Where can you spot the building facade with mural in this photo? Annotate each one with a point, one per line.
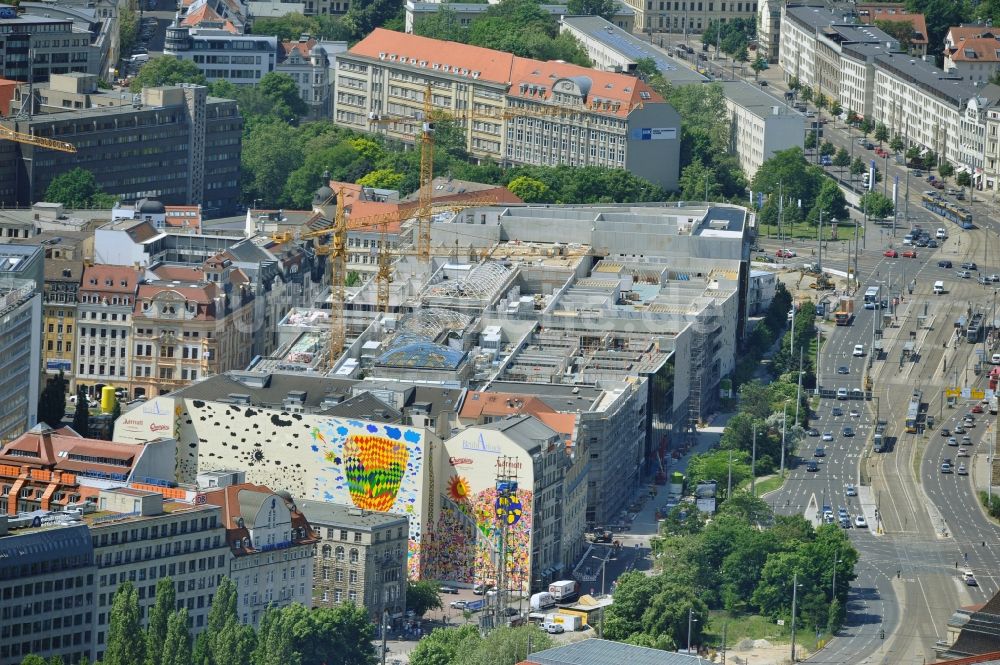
(370, 465)
(537, 527)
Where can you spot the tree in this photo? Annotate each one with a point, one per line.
(836, 109)
(286, 28)
(842, 159)
(806, 93)
(159, 616)
(176, 646)
(52, 402)
(270, 152)
(364, 17)
(382, 179)
(523, 28)
(820, 100)
(167, 70)
(274, 641)
(881, 133)
(900, 30)
(125, 645)
(827, 149)
(810, 141)
(343, 634)
(793, 83)
(32, 659)
(422, 596)
(945, 169)
(714, 465)
(443, 24)
(831, 203)
(444, 645)
(877, 205)
(698, 182)
(81, 417)
(963, 179)
(633, 593)
(606, 9)
(788, 171)
(857, 167)
(646, 68)
(758, 65)
(235, 644)
(896, 144)
(530, 190)
(78, 188)
(283, 92)
(939, 16)
(128, 27)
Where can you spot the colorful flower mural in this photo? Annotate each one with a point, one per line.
(458, 489)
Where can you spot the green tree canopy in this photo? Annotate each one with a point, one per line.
(523, 28)
(877, 205)
(530, 190)
(830, 202)
(81, 417)
(715, 465)
(606, 9)
(842, 159)
(422, 597)
(125, 645)
(881, 133)
(963, 179)
(78, 188)
(945, 169)
(159, 617)
(167, 70)
(176, 646)
(382, 179)
(52, 401)
(442, 24)
(501, 646)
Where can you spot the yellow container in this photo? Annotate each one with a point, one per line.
(108, 399)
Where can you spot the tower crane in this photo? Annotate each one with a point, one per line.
(427, 117)
(37, 141)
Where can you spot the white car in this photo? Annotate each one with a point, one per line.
(859, 350)
(995, 359)
(963, 452)
(841, 393)
(860, 522)
(850, 490)
(827, 436)
(553, 628)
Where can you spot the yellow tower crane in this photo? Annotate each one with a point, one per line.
(427, 118)
(37, 141)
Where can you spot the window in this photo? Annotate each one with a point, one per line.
(340, 554)
(354, 556)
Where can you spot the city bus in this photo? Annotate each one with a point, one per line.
(872, 297)
(913, 411)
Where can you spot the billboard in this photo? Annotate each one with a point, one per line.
(150, 420)
(58, 365)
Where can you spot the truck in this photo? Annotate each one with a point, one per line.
(845, 311)
(569, 622)
(676, 484)
(563, 590)
(541, 601)
(993, 405)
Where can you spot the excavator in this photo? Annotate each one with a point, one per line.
(820, 281)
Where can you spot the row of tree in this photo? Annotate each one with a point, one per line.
(360, 19)
(468, 646)
(521, 27)
(743, 561)
(799, 190)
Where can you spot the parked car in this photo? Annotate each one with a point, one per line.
(785, 253)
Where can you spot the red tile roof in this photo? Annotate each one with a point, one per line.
(503, 68)
(96, 278)
(235, 499)
(876, 13)
(959, 32)
(976, 49)
(50, 449)
(302, 47)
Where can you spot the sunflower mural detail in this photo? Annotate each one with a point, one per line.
(458, 489)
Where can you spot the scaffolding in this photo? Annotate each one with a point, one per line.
(704, 331)
(508, 513)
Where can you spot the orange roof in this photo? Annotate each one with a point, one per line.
(42, 446)
(478, 404)
(206, 14)
(900, 15)
(183, 217)
(359, 210)
(96, 278)
(179, 273)
(959, 32)
(302, 47)
(7, 88)
(976, 49)
(235, 499)
(504, 68)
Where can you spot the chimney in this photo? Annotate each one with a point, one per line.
(45, 449)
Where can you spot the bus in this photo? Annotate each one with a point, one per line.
(947, 209)
(872, 297)
(913, 411)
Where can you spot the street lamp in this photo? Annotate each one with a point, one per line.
(795, 588)
(836, 560)
(691, 620)
(604, 561)
(784, 419)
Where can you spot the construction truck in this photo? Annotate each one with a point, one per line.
(845, 311)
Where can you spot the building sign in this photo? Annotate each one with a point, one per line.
(654, 133)
(58, 365)
(459, 461)
(149, 421)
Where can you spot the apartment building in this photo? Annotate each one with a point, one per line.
(311, 64)
(56, 47)
(687, 16)
(21, 280)
(769, 29)
(187, 325)
(271, 547)
(360, 558)
(972, 51)
(222, 55)
(139, 537)
(59, 300)
(915, 99)
(231, 15)
(174, 143)
(104, 325)
(573, 115)
(47, 598)
(761, 125)
(99, 24)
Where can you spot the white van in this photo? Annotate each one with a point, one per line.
(859, 350)
(938, 288)
(941, 234)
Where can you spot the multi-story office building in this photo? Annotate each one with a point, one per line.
(174, 143)
(222, 55)
(21, 279)
(187, 325)
(687, 16)
(271, 547)
(46, 597)
(99, 24)
(104, 325)
(361, 558)
(56, 46)
(573, 115)
(760, 125)
(139, 537)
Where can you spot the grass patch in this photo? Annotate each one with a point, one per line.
(765, 484)
(745, 627)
